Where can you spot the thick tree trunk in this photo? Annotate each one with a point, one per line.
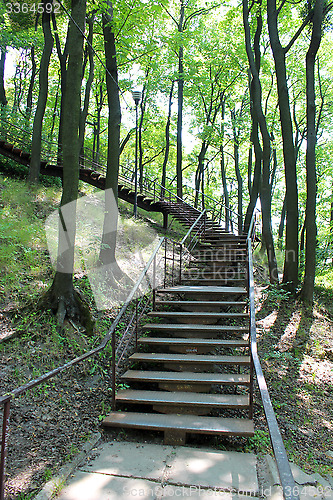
(36, 144)
(167, 143)
(108, 247)
(265, 189)
(62, 295)
(290, 273)
(3, 98)
(311, 136)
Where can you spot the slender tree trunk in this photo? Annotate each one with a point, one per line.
(290, 273)
(140, 126)
(311, 135)
(36, 144)
(167, 142)
(282, 219)
(3, 98)
(238, 173)
(108, 247)
(180, 82)
(84, 112)
(63, 56)
(32, 82)
(223, 172)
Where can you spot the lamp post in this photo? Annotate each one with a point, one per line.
(136, 97)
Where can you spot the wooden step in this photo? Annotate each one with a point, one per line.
(214, 282)
(197, 314)
(194, 328)
(225, 379)
(185, 423)
(211, 343)
(200, 303)
(197, 359)
(179, 398)
(207, 290)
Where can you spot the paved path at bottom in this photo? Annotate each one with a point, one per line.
(128, 471)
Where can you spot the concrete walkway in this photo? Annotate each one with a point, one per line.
(127, 471)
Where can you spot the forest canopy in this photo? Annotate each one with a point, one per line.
(236, 103)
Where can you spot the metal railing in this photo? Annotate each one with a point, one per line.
(21, 138)
(140, 305)
(290, 491)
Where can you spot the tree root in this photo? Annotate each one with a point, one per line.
(68, 305)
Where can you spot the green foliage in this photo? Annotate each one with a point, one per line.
(259, 443)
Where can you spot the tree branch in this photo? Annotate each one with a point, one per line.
(299, 31)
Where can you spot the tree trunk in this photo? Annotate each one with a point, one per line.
(290, 272)
(36, 144)
(140, 126)
(62, 55)
(167, 142)
(265, 189)
(180, 82)
(3, 98)
(223, 172)
(108, 247)
(311, 135)
(32, 82)
(62, 295)
(282, 219)
(238, 173)
(84, 112)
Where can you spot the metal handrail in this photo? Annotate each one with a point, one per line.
(283, 466)
(6, 399)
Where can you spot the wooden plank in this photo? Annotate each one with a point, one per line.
(187, 377)
(198, 303)
(190, 358)
(187, 423)
(195, 328)
(196, 314)
(193, 342)
(184, 398)
(203, 289)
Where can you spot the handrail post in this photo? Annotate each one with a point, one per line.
(136, 322)
(113, 347)
(180, 263)
(154, 282)
(5, 424)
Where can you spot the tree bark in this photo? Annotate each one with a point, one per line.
(265, 189)
(167, 142)
(311, 135)
(32, 82)
(3, 98)
(108, 247)
(84, 112)
(223, 172)
(238, 173)
(62, 295)
(180, 83)
(36, 144)
(290, 272)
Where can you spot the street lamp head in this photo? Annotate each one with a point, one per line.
(136, 96)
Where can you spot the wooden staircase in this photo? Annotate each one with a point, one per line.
(192, 371)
